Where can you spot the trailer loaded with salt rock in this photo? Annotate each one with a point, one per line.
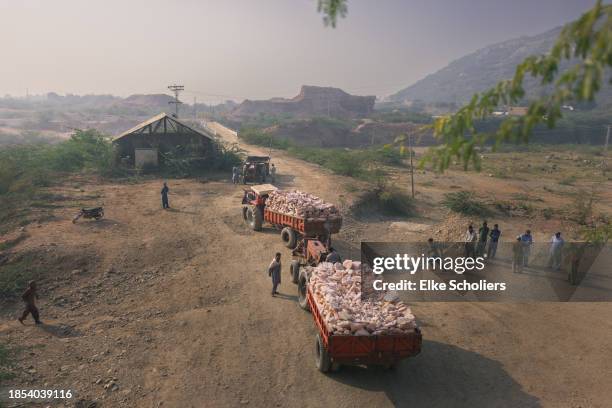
(376, 331)
(306, 222)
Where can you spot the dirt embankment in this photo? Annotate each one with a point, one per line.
(154, 308)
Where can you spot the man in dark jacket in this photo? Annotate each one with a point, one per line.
(483, 234)
(29, 297)
(495, 234)
(274, 271)
(164, 194)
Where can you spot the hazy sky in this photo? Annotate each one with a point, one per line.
(236, 49)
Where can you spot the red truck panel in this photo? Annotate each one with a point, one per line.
(310, 227)
(385, 349)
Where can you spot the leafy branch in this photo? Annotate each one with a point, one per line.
(332, 9)
(587, 40)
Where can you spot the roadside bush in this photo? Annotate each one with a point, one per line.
(568, 181)
(386, 200)
(260, 138)
(464, 202)
(582, 208)
(5, 363)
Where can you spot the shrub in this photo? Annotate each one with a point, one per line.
(385, 200)
(568, 181)
(258, 137)
(5, 362)
(464, 202)
(582, 208)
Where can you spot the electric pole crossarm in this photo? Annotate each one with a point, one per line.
(176, 89)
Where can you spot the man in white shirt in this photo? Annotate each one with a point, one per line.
(470, 242)
(556, 246)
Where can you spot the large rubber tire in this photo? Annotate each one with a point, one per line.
(295, 271)
(254, 218)
(322, 359)
(302, 288)
(289, 237)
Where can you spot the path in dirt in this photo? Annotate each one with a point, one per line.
(173, 309)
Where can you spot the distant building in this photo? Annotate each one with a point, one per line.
(148, 142)
(517, 110)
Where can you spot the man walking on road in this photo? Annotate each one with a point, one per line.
(274, 271)
(29, 297)
(495, 234)
(164, 194)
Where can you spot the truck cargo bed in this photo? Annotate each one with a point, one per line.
(307, 226)
(382, 349)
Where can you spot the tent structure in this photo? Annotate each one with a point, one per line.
(160, 135)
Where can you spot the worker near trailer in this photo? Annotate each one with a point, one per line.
(235, 175)
(274, 271)
(494, 234)
(470, 242)
(29, 298)
(164, 194)
(527, 241)
(273, 173)
(556, 246)
(483, 235)
(333, 256)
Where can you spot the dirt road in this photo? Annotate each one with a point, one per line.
(151, 308)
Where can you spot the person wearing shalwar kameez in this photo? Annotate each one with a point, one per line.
(274, 271)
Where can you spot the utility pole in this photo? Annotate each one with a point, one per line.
(411, 166)
(607, 139)
(176, 89)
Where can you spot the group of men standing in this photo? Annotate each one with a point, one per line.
(476, 244)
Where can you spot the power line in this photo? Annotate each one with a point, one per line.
(176, 89)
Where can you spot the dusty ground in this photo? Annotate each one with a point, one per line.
(153, 308)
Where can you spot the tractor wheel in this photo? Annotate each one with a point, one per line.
(295, 271)
(289, 237)
(302, 289)
(254, 218)
(322, 359)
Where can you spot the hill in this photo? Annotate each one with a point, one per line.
(478, 71)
